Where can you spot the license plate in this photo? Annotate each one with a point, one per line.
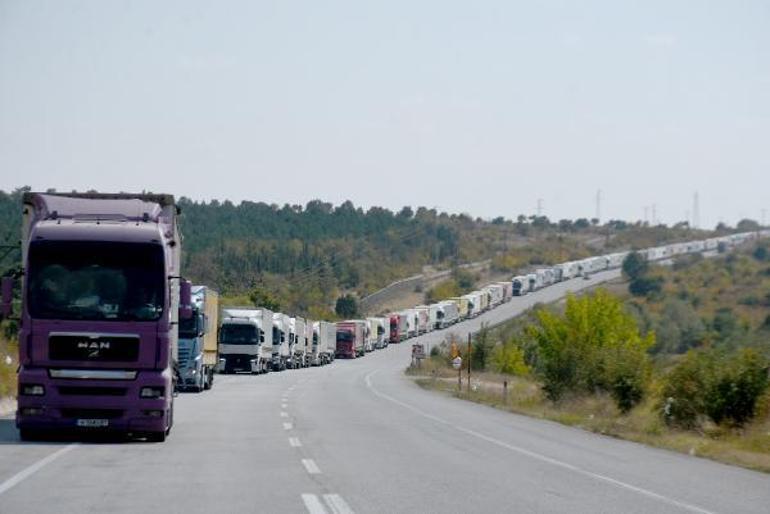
(93, 423)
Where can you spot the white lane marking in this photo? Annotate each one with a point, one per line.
(538, 456)
(288, 426)
(284, 405)
(313, 504)
(284, 414)
(294, 442)
(311, 466)
(34, 468)
(337, 504)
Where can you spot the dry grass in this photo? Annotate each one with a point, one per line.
(748, 447)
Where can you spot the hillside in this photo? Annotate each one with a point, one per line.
(304, 257)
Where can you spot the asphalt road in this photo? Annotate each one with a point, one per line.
(357, 436)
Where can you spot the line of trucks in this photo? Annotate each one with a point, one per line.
(110, 330)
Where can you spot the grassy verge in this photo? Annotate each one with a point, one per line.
(748, 447)
(8, 371)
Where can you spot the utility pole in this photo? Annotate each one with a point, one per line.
(764, 217)
(539, 207)
(696, 211)
(654, 214)
(646, 215)
(599, 204)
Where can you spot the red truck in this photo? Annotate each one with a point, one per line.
(398, 328)
(350, 339)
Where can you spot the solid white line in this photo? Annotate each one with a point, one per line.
(337, 504)
(287, 426)
(34, 468)
(284, 414)
(311, 466)
(294, 442)
(313, 504)
(538, 456)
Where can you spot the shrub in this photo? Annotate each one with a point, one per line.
(508, 358)
(732, 395)
(683, 399)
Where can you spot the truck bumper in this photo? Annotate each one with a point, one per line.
(95, 405)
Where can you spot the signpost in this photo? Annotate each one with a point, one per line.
(418, 353)
(457, 363)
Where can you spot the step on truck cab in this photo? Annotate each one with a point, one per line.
(198, 343)
(246, 340)
(101, 291)
(281, 337)
(351, 336)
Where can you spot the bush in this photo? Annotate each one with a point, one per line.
(481, 349)
(508, 358)
(724, 388)
(346, 307)
(646, 286)
(732, 396)
(594, 345)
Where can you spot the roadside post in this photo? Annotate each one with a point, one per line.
(469, 362)
(457, 363)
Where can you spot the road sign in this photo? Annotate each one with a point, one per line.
(457, 362)
(418, 351)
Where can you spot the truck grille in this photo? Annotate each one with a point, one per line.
(91, 391)
(91, 413)
(104, 348)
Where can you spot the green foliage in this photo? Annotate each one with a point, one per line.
(594, 345)
(724, 387)
(635, 266)
(645, 286)
(443, 290)
(509, 358)
(466, 280)
(482, 346)
(261, 297)
(346, 306)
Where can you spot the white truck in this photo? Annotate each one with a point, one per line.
(520, 285)
(495, 294)
(297, 335)
(324, 343)
(451, 312)
(281, 332)
(423, 319)
(309, 337)
(411, 322)
(245, 340)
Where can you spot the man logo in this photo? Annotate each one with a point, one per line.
(94, 347)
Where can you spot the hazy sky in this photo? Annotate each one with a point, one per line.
(471, 106)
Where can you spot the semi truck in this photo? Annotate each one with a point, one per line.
(102, 295)
(297, 335)
(520, 285)
(324, 343)
(395, 328)
(246, 340)
(309, 344)
(351, 335)
(198, 351)
(281, 337)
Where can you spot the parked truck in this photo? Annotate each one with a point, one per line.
(297, 335)
(101, 299)
(324, 343)
(198, 343)
(309, 342)
(281, 336)
(245, 340)
(397, 328)
(351, 335)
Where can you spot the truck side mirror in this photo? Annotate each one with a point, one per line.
(185, 299)
(7, 297)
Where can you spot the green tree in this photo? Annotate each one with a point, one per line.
(261, 297)
(635, 266)
(346, 306)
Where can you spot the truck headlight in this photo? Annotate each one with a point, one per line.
(32, 390)
(152, 392)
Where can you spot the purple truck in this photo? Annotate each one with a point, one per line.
(101, 292)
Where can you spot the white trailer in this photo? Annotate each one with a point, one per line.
(423, 319)
(309, 334)
(411, 322)
(324, 343)
(494, 293)
(507, 290)
(436, 311)
(246, 340)
(473, 305)
(281, 334)
(297, 334)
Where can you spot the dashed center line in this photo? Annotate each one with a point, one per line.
(311, 466)
(284, 414)
(295, 442)
(34, 468)
(288, 426)
(334, 502)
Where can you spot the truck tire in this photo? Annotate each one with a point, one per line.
(156, 437)
(28, 434)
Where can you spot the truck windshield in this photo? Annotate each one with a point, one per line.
(344, 337)
(96, 280)
(238, 334)
(190, 327)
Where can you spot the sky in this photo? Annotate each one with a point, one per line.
(483, 107)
